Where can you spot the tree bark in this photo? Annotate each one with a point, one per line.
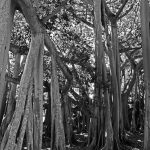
(6, 18)
(96, 136)
(145, 26)
(38, 95)
(14, 134)
(57, 129)
(108, 120)
(12, 94)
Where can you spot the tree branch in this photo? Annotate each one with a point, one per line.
(122, 50)
(15, 49)
(126, 12)
(37, 27)
(81, 19)
(57, 10)
(86, 2)
(121, 8)
(108, 11)
(13, 80)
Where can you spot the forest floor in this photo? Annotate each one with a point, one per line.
(134, 141)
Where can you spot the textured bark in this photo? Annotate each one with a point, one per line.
(11, 99)
(145, 26)
(116, 78)
(38, 95)
(29, 129)
(17, 126)
(96, 136)
(18, 145)
(37, 27)
(112, 52)
(4, 101)
(108, 121)
(67, 119)
(57, 130)
(6, 16)
(115, 69)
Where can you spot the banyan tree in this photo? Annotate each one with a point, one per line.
(74, 74)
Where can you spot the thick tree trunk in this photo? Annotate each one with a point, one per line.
(67, 119)
(29, 129)
(96, 127)
(57, 130)
(115, 69)
(6, 17)
(108, 120)
(14, 134)
(115, 116)
(145, 25)
(38, 96)
(12, 94)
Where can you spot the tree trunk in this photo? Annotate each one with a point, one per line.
(145, 25)
(96, 136)
(115, 68)
(11, 99)
(14, 134)
(57, 129)
(6, 17)
(38, 95)
(69, 131)
(108, 120)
